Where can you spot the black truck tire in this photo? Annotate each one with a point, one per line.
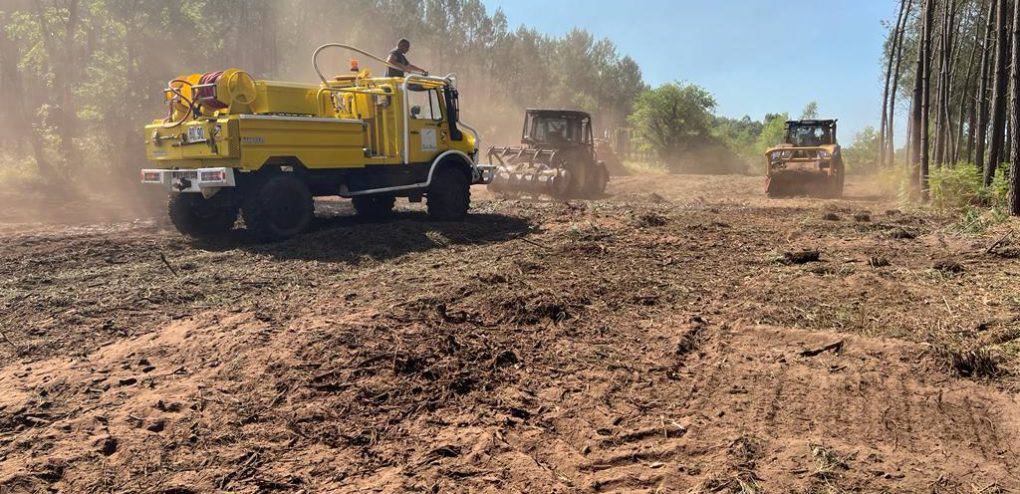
(195, 216)
(278, 207)
(449, 195)
(374, 207)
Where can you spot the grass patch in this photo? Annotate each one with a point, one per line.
(830, 463)
(977, 220)
(972, 361)
(960, 186)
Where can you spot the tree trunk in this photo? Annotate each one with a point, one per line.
(942, 84)
(987, 61)
(886, 133)
(1014, 155)
(999, 95)
(10, 54)
(953, 58)
(948, 73)
(967, 110)
(925, 129)
(916, 112)
(1007, 140)
(61, 60)
(891, 136)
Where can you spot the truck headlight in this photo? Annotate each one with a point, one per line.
(823, 154)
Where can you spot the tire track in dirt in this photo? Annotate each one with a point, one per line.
(728, 437)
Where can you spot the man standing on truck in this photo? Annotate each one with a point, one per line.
(399, 59)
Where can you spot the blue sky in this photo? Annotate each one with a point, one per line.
(755, 56)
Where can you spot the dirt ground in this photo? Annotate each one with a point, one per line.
(673, 337)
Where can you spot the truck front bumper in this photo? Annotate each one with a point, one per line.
(190, 180)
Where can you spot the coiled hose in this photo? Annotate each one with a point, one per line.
(204, 95)
(169, 122)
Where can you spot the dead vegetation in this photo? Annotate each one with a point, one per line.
(971, 360)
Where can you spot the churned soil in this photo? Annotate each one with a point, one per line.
(683, 334)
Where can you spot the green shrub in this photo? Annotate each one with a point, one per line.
(959, 186)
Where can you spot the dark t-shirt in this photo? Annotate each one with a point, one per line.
(401, 59)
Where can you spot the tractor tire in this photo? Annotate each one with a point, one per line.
(839, 183)
(598, 179)
(278, 207)
(195, 216)
(449, 196)
(564, 186)
(374, 207)
(834, 185)
(772, 188)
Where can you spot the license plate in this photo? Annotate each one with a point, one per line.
(189, 174)
(196, 134)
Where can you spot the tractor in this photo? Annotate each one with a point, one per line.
(556, 158)
(809, 161)
(232, 146)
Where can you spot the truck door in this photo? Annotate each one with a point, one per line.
(428, 135)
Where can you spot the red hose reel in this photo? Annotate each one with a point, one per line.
(206, 91)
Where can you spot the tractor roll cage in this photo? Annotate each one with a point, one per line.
(827, 125)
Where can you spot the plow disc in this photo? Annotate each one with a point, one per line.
(544, 172)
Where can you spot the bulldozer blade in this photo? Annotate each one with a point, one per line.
(799, 183)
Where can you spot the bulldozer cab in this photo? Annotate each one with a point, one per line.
(811, 133)
(557, 129)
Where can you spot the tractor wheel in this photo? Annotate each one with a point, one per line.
(597, 181)
(449, 196)
(839, 183)
(563, 187)
(278, 207)
(374, 207)
(771, 188)
(833, 186)
(195, 216)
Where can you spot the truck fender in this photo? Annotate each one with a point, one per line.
(454, 158)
